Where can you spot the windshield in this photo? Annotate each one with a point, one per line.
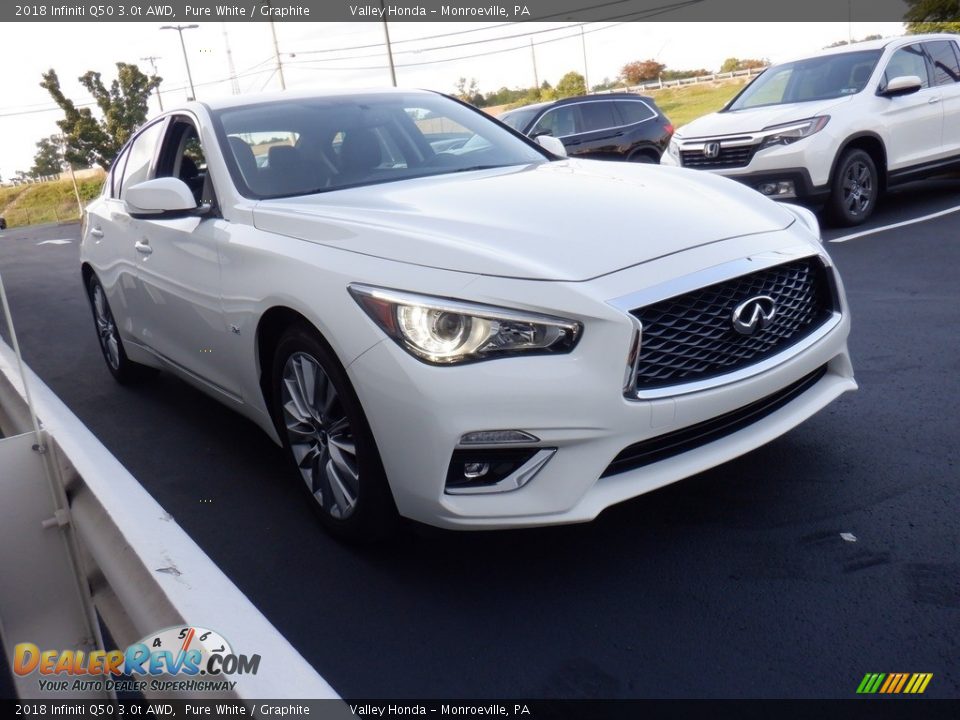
(518, 119)
(301, 147)
(819, 78)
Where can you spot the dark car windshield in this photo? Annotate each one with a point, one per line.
(299, 147)
(519, 119)
(819, 78)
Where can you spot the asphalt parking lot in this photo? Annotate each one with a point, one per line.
(734, 583)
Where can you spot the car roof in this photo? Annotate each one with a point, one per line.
(234, 101)
(582, 98)
(880, 44)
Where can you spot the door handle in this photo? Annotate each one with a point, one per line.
(96, 232)
(143, 246)
(933, 100)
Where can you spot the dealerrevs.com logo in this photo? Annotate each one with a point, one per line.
(176, 659)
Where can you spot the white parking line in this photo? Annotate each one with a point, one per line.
(55, 242)
(872, 231)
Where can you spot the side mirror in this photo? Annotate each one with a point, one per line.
(901, 85)
(552, 144)
(160, 199)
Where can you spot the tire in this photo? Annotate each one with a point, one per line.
(642, 156)
(327, 439)
(854, 190)
(124, 370)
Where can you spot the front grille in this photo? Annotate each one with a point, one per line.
(729, 157)
(691, 336)
(694, 436)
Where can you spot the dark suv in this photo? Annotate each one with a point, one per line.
(618, 126)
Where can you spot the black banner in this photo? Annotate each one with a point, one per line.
(858, 709)
(471, 10)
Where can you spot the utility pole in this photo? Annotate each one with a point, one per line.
(276, 55)
(153, 63)
(583, 44)
(386, 35)
(533, 54)
(183, 46)
(76, 189)
(234, 82)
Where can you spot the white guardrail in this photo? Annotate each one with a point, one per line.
(661, 84)
(81, 542)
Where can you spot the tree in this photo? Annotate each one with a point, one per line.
(123, 107)
(469, 92)
(932, 12)
(49, 158)
(570, 85)
(916, 28)
(640, 71)
(733, 64)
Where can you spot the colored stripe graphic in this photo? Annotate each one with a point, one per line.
(894, 683)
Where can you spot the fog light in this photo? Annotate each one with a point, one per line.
(782, 188)
(492, 470)
(472, 471)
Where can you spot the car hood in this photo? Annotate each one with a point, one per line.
(565, 220)
(755, 119)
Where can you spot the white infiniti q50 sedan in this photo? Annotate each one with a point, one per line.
(442, 320)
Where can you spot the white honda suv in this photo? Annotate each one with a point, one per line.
(839, 127)
(438, 318)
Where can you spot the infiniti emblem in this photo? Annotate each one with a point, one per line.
(751, 316)
(711, 150)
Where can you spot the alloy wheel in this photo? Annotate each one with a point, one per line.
(320, 436)
(106, 328)
(857, 188)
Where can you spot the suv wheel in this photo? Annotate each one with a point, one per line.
(853, 194)
(328, 440)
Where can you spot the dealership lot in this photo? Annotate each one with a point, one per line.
(735, 583)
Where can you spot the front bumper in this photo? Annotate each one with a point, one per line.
(806, 164)
(574, 403)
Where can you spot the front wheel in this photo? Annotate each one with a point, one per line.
(124, 370)
(855, 188)
(328, 440)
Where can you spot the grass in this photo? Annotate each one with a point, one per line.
(684, 104)
(46, 202)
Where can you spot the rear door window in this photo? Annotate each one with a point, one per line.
(598, 115)
(946, 69)
(633, 111)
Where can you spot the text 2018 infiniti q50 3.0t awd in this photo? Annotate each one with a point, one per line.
(440, 319)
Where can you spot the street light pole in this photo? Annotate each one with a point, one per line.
(183, 46)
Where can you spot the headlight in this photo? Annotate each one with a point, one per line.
(674, 148)
(446, 332)
(791, 132)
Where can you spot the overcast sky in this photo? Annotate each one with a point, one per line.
(28, 49)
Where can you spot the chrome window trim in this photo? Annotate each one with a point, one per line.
(716, 274)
